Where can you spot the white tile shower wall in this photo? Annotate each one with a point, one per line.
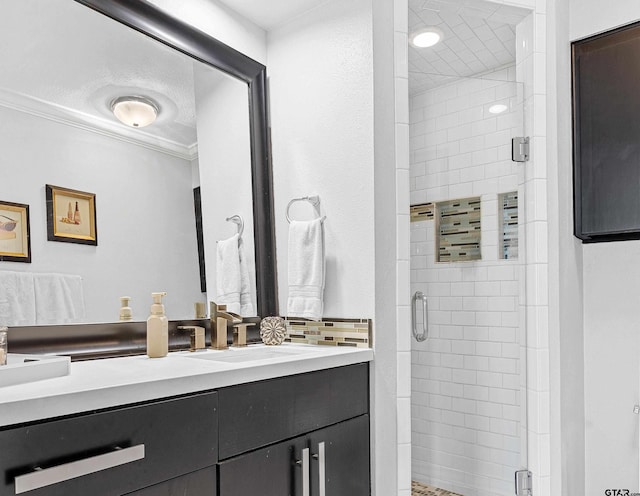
(466, 379)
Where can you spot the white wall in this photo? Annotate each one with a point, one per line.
(566, 336)
(467, 378)
(611, 284)
(145, 220)
(224, 157)
(321, 105)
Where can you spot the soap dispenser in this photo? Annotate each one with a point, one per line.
(125, 309)
(157, 329)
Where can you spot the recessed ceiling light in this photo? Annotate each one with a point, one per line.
(135, 111)
(498, 108)
(426, 37)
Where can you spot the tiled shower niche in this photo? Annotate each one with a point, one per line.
(509, 225)
(458, 230)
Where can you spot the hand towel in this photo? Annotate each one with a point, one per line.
(232, 277)
(306, 269)
(17, 299)
(246, 300)
(59, 298)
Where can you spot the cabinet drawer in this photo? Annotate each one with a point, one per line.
(261, 413)
(103, 450)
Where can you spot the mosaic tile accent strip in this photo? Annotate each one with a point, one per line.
(418, 489)
(423, 211)
(458, 230)
(509, 218)
(330, 332)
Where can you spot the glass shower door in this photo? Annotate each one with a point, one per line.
(469, 426)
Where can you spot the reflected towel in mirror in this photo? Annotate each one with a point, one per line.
(17, 299)
(232, 277)
(59, 298)
(306, 269)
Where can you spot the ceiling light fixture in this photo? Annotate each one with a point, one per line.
(497, 108)
(135, 111)
(427, 37)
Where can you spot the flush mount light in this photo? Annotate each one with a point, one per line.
(135, 111)
(426, 37)
(498, 108)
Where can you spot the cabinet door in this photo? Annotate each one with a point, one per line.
(340, 459)
(271, 471)
(337, 455)
(200, 483)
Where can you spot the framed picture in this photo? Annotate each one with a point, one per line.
(15, 237)
(71, 216)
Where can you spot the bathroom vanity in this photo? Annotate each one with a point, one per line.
(224, 423)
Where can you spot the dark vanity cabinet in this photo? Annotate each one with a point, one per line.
(116, 452)
(299, 435)
(303, 435)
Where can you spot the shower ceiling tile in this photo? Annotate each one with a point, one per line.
(479, 36)
(463, 32)
(505, 33)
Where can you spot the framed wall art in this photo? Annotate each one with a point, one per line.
(71, 216)
(15, 236)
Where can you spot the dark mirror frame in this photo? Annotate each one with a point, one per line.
(155, 23)
(91, 341)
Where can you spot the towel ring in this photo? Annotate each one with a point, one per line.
(237, 219)
(315, 202)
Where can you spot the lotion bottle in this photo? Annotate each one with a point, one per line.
(157, 329)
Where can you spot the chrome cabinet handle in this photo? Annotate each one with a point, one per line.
(422, 298)
(49, 476)
(304, 464)
(321, 469)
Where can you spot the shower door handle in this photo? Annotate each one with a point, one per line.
(419, 296)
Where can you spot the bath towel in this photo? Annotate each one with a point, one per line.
(17, 299)
(306, 269)
(59, 299)
(232, 277)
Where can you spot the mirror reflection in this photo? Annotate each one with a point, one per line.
(65, 68)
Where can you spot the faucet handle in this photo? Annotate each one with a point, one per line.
(196, 337)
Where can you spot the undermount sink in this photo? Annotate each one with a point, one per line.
(249, 354)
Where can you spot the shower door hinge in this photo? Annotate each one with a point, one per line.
(524, 486)
(520, 149)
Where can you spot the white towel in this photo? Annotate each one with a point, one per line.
(306, 269)
(246, 300)
(17, 299)
(232, 277)
(59, 298)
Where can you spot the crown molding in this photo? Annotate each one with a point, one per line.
(97, 125)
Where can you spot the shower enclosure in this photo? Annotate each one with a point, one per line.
(467, 280)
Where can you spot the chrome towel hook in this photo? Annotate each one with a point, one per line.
(422, 298)
(314, 200)
(237, 219)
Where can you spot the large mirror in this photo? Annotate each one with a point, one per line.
(64, 67)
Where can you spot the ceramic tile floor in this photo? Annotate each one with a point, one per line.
(418, 489)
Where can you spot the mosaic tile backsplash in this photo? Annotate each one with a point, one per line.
(423, 211)
(509, 217)
(330, 332)
(459, 230)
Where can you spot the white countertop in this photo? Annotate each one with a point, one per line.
(112, 382)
